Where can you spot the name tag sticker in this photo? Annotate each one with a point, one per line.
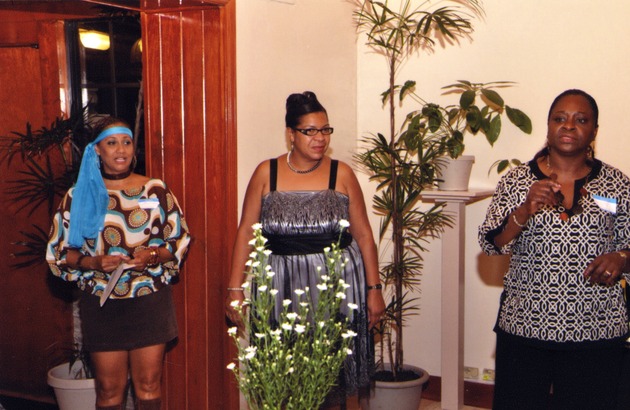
(607, 204)
(148, 203)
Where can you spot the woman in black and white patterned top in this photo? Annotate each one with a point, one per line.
(563, 217)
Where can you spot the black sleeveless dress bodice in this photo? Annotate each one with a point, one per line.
(298, 225)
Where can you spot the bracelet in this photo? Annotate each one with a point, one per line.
(240, 289)
(378, 286)
(79, 259)
(154, 257)
(625, 258)
(520, 225)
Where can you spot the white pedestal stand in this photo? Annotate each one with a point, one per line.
(453, 253)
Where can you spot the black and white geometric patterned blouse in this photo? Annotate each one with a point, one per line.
(546, 299)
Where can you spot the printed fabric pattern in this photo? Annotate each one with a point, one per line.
(546, 297)
(136, 219)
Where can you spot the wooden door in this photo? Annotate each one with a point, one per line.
(191, 143)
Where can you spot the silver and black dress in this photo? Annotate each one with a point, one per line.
(298, 226)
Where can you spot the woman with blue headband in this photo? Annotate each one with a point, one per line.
(122, 237)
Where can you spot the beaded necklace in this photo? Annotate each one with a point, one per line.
(298, 171)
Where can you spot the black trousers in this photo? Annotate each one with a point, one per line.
(533, 378)
(623, 403)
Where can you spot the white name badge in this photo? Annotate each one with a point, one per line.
(607, 204)
(148, 203)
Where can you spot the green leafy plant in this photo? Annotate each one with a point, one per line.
(405, 160)
(294, 363)
(78, 354)
(41, 182)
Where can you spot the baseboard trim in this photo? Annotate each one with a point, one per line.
(475, 394)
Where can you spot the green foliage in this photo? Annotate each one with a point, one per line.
(486, 119)
(397, 34)
(479, 111)
(292, 364)
(40, 182)
(34, 247)
(78, 354)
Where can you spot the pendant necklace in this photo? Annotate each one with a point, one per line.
(577, 207)
(298, 171)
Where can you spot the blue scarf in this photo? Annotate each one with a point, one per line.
(90, 198)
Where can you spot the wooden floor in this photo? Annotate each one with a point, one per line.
(425, 404)
(434, 405)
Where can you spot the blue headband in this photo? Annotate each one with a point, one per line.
(90, 198)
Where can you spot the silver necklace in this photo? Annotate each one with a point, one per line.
(298, 171)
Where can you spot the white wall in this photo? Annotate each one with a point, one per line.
(546, 46)
(283, 48)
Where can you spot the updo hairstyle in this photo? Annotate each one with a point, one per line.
(299, 105)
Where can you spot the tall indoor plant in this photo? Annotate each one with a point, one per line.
(406, 159)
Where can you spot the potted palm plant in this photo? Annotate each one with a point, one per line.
(50, 157)
(73, 381)
(407, 159)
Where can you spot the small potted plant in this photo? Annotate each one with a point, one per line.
(479, 110)
(73, 381)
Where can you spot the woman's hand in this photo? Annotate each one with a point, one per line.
(605, 269)
(376, 306)
(107, 263)
(541, 193)
(145, 258)
(235, 298)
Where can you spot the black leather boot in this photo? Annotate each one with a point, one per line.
(153, 404)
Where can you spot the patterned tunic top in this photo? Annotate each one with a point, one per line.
(546, 299)
(136, 219)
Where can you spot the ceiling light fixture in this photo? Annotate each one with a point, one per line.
(93, 39)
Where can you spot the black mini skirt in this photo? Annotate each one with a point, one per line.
(127, 324)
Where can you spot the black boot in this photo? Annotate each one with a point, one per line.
(114, 407)
(153, 404)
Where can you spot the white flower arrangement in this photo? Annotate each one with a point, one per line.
(295, 364)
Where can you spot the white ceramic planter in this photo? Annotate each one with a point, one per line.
(71, 393)
(399, 395)
(455, 173)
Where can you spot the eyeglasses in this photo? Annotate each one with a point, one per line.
(311, 132)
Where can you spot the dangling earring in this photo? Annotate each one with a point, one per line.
(134, 162)
(99, 162)
(590, 152)
(291, 150)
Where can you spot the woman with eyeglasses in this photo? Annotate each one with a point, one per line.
(563, 218)
(299, 198)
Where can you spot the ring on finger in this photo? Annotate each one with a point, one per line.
(607, 274)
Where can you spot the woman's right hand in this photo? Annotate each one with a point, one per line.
(541, 193)
(235, 298)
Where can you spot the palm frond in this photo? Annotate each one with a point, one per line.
(35, 244)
